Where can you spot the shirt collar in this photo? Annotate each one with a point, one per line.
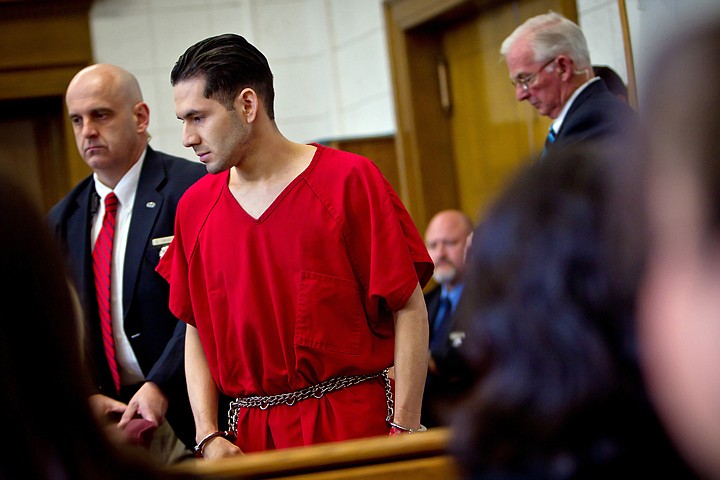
(557, 123)
(126, 187)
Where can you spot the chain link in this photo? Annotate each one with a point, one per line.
(315, 391)
(388, 396)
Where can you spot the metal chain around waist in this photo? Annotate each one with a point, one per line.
(316, 391)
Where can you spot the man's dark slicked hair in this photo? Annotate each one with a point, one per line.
(228, 63)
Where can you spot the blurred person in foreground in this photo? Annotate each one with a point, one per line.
(548, 309)
(679, 321)
(49, 431)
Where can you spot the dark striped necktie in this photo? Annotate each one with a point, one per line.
(439, 326)
(549, 140)
(102, 267)
(550, 137)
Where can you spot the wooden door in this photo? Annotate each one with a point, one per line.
(32, 135)
(43, 43)
(491, 132)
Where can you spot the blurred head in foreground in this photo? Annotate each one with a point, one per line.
(548, 310)
(679, 321)
(44, 405)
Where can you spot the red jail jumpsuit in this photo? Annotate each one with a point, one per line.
(299, 295)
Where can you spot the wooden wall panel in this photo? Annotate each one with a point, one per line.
(381, 150)
(58, 38)
(36, 82)
(43, 43)
(424, 146)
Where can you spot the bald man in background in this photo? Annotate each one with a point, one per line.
(110, 122)
(446, 239)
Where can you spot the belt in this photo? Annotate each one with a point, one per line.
(315, 391)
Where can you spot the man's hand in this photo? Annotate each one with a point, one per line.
(149, 403)
(220, 448)
(105, 409)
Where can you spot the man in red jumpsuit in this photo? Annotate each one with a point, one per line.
(297, 269)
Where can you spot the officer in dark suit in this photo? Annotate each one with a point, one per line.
(110, 122)
(549, 64)
(445, 238)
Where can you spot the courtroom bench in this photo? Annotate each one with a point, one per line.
(414, 457)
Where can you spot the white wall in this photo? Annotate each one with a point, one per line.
(600, 22)
(651, 24)
(329, 59)
(655, 22)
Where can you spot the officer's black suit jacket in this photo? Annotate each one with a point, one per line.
(157, 337)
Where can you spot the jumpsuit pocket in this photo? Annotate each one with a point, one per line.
(329, 315)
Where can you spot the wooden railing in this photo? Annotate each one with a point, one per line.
(417, 456)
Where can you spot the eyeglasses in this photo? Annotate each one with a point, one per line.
(525, 81)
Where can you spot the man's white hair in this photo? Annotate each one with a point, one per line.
(550, 35)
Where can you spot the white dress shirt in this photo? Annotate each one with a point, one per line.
(557, 123)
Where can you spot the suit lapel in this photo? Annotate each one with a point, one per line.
(148, 202)
(78, 241)
(595, 87)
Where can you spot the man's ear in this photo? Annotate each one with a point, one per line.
(565, 67)
(248, 104)
(142, 116)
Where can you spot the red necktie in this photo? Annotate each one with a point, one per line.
(102, 266)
